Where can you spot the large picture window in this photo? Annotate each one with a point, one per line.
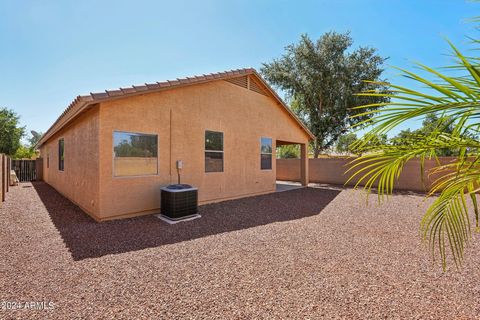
(213, 151)
(61, 154)
(266, 154)
(135, 154)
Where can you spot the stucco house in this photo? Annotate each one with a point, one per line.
(110, 152)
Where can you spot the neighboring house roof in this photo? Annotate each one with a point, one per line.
(82, 102)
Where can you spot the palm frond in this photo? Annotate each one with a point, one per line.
(456, 101)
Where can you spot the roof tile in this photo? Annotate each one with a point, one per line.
(152, 86)
(140, 88)
(99, 95)
(148, 86)
(114, 93)
(85, 98)
(128, 90)
(163, 84)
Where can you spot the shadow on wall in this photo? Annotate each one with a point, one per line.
(86, 238)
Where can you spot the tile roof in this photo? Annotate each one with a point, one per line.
(83, 101)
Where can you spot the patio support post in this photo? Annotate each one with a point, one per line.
(304, 164)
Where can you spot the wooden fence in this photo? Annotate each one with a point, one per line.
(4, 176)
(25, 170)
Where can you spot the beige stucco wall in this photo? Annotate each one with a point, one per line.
(79, 181)
(180, 117)
(332, 171)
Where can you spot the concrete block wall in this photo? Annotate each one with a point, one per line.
(332, 171)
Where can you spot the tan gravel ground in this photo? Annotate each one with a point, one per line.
(307, 253)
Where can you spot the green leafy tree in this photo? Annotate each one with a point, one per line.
(344, 142)
(28, 151)
(454, 99)
(290, 151)
(403, 136)
(431, 123)
(320, 79)
(136, 146)
(24, 152)
(10, 131)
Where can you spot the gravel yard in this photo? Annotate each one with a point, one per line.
(305, 253)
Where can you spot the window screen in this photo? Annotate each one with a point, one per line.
(135, 154)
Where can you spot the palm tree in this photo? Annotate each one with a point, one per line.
(453, 95)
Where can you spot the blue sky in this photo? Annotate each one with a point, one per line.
(51, 51)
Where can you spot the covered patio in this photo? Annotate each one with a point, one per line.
(303, 159)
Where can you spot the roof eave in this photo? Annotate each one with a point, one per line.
(77, 106)
(82, 102)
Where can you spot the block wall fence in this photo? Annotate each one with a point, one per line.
(332, 171)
